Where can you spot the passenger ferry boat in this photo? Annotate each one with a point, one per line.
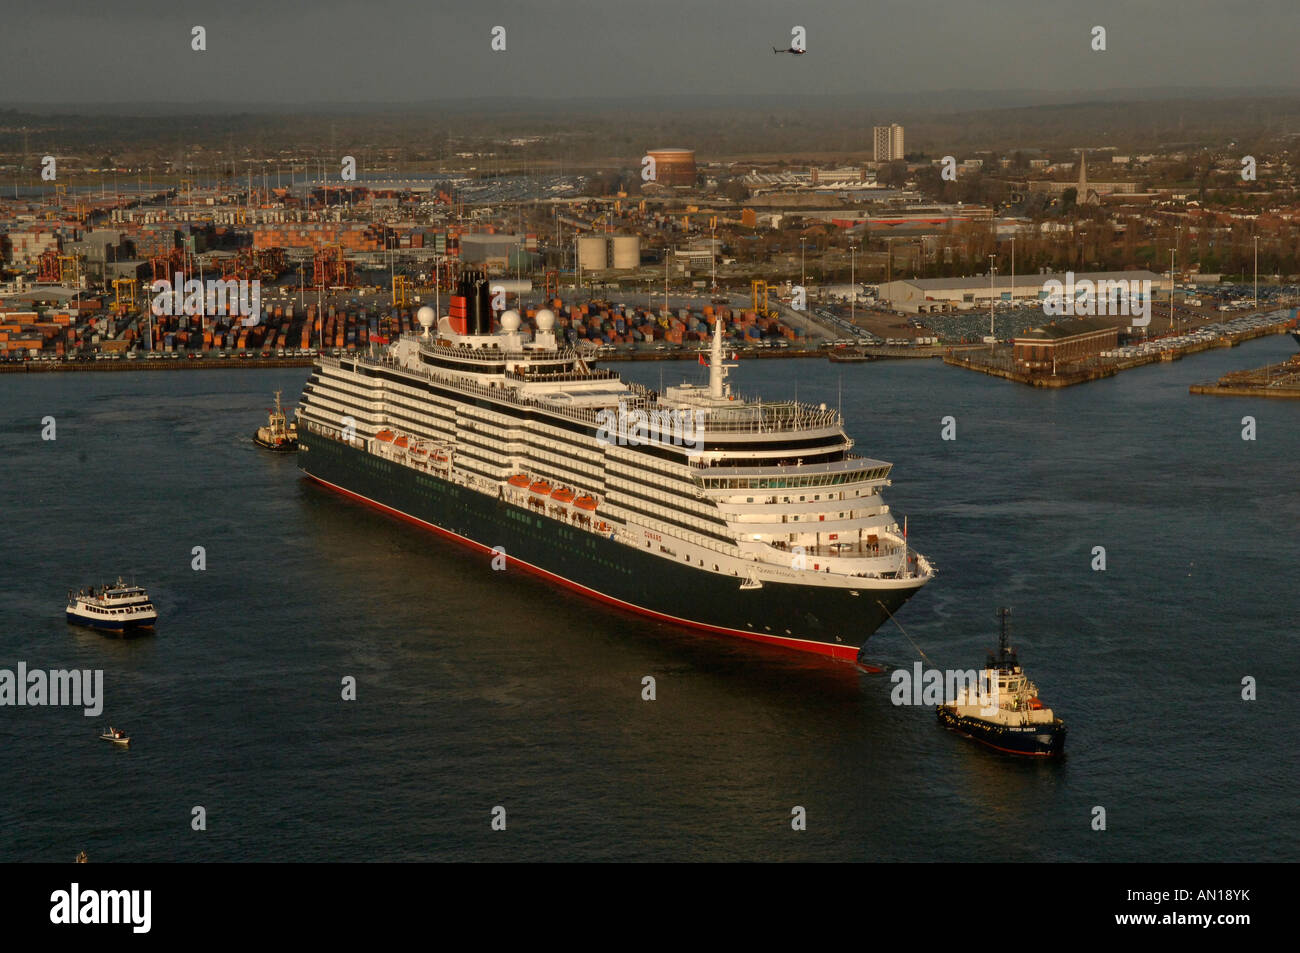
(278, 435)
(117, 606)
(1009, 716)
(697, 507)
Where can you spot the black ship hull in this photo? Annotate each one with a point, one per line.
(1033, 740)
(823, 620)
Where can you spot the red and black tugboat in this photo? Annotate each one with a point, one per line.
(1003, 710)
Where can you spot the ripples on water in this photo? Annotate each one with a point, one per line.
(478, 688)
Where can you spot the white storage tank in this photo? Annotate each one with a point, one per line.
(625, 252)
(592, 253)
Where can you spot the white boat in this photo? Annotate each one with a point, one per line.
(117, 736)
(117, 606)
(279, 434)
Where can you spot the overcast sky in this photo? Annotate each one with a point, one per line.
(297, 51)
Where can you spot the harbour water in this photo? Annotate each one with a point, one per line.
(478, 688)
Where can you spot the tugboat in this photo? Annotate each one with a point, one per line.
(1009, 716)
(278, 435)
(118, 606)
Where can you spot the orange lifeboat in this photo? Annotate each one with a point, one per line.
(385, 435)
(585, 503)
(519, 479)
(562, 495)
(1035, 704)
(541, 487)
(400, 442)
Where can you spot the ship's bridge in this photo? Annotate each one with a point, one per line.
(720, 481)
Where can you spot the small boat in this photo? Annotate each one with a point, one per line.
(278, 435)
(520, 480)
(117, 736)
(1009, 716)
(562, 495)
(541, 487)
(585, 503)
(116, 606)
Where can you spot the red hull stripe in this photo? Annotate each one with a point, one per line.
(847, 652)
(989, 744)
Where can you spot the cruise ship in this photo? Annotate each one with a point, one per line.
(697, 507)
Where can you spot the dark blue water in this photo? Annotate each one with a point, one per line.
(478, 688)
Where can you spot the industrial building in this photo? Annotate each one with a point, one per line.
(1077, 339)
(494, 251)
(674, 166)
(606, 252)
(932, 295)
(888, 142)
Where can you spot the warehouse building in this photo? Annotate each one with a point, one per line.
(493, 251)
(673, 166)
(935, 295)
(1064, 342)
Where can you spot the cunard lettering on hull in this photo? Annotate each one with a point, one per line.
(764, 524)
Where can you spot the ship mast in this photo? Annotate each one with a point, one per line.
(1003, 613)
(715, 364)
(718, 388)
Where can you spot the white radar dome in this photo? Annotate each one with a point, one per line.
(510, 321)
(426, 316)
(545, 319)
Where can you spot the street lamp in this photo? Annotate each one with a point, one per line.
(992, 336)
(713, 256)
(853, 284)
(1256, 272)
(1013, 271)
